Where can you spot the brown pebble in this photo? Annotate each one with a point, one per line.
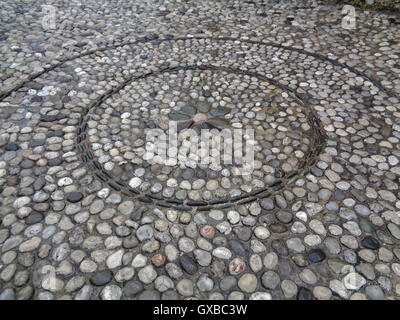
(13, 181)
(277, 228)
(236, 266)
(158, 259)
(26, 153)
(207, 232)
(300, 260)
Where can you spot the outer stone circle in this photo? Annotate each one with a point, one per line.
(131, 188)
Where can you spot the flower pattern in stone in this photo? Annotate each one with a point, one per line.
(200, 115)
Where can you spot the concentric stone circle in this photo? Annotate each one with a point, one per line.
(308, 157)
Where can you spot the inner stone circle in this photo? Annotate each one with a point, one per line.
(201, 99)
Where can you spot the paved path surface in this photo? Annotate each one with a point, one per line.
(84, 212)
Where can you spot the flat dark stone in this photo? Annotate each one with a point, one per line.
(189, 110)
(323, 270)
(280, 247)
(74, 196)
(339, 195)
(41, 207)
(12, 147)
(153, 94)
(39, 171)
(267, 203)
(366, 226)
(132, 288)
(237, 247)
(48, 118)
(39, 183)
(218, 112)
(243, 233)
(170, 295)
(26, 191)
(37, 143)
(204, 106)
(188, 174)
(65, 79)
(279, 174)
(304, 294)
(316, 172)
(286, 268)
(184, 125)
(370, 243)
(332, 206)
(54, 162)
(101, 278)
(358, 195)
(284, 216)
(178, 116)
(26, 164)
(36, 99)
(316, 256)
(33, 218)
(57, 133)
(351, 257)
(188, 264)
(137, 214)
(217, 122)
(206, 125)
(149, 295)
(278, 228)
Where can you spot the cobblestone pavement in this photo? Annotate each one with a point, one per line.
(85, 215)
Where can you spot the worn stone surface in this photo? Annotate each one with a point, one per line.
(90, 210)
